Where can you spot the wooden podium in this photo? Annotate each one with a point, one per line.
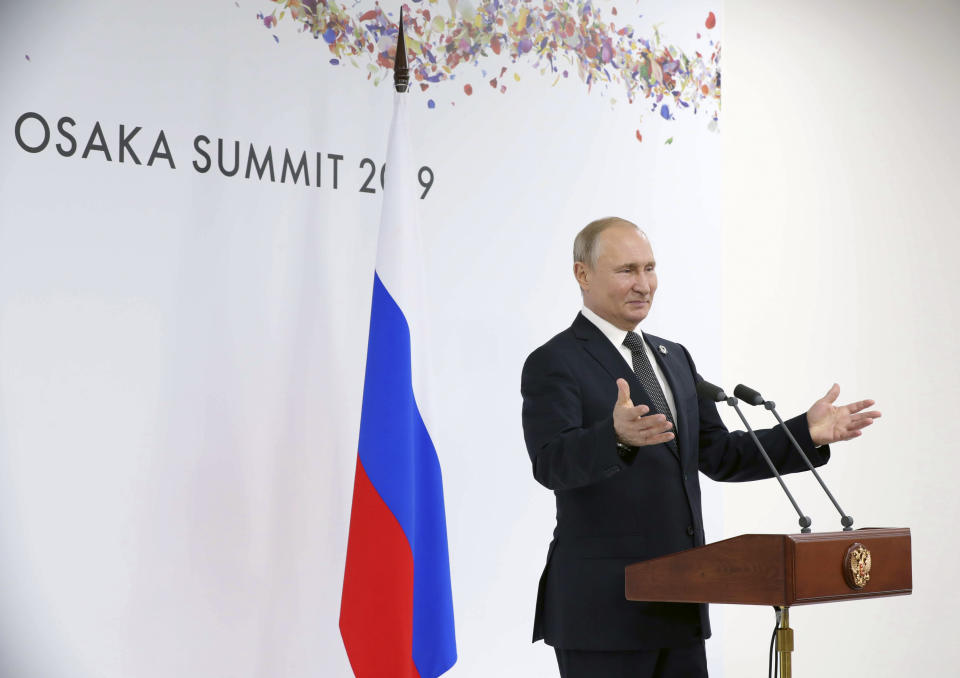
(780, 570)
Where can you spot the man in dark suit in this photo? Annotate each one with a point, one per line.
(614, 427)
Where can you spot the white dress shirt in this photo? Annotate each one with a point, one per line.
(616, 337)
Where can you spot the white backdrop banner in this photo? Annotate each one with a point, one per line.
(189, 200)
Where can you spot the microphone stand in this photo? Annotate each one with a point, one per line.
(753, 397)
(716, 394)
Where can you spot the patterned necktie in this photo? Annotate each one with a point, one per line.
(644, 372)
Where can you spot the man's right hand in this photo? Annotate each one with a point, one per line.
(632, 423)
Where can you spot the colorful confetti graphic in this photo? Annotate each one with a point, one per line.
(556, 39)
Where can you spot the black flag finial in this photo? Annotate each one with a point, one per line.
(401, 74)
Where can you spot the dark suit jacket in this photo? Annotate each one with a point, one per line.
(613, 511)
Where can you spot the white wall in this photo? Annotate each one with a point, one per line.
(840, 152)
(175, 471)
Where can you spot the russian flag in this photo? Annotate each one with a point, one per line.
(396, 613)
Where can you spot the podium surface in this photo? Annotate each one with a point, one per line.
(781, 570)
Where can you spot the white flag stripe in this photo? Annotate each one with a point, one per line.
(399, 251)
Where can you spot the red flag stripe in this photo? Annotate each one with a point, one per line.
(376, 611)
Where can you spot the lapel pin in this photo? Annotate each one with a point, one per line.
(663, 349)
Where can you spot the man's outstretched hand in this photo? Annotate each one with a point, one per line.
(829, 423)
(633, 425)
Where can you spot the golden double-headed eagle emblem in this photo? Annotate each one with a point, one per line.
(856, 566)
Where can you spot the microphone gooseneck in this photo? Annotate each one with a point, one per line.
(751, 396)
(713, 392)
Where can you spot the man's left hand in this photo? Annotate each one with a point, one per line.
(829, 423)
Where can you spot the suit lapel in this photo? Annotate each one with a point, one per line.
(599, 347)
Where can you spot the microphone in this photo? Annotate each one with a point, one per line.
(713, 392)
(710, 391)
(748, 395)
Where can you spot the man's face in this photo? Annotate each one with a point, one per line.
(621, 286)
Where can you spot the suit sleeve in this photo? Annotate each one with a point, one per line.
(732, 456)
(565, 452)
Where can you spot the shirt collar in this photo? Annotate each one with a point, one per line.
(610, 331)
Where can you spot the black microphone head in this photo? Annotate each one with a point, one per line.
(748, 395)
(710, 391)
